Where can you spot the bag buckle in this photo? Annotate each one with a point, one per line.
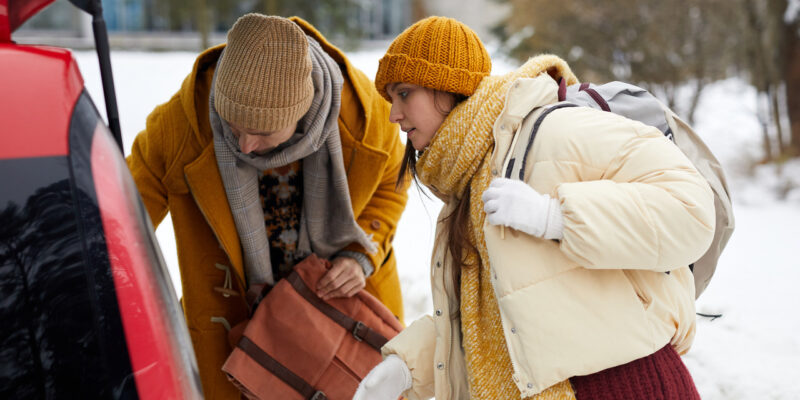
(359, 325)
(318, 395)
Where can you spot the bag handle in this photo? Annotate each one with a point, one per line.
(360, 331)
(270, 364)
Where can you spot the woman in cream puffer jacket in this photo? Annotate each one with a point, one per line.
(573, 283)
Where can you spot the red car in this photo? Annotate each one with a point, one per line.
(87, 309)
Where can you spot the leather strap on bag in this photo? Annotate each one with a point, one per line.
(360, 331)
(277, 369)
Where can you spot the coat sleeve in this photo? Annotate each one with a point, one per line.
(415, 345)
(650, 209)
(385, 206)
(148, 168)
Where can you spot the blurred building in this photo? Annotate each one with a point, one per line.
(172, 24)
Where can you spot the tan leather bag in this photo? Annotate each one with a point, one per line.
(297, 346)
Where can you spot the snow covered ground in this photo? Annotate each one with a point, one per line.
(751, 352)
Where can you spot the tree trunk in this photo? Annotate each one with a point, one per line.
(792, 75)
(202, 23)
(775, 108)
(759, 69)
(695, 100)
(762, 112)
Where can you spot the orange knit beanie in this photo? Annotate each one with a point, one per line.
(438, 53)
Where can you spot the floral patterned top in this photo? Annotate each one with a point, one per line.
(281, 193)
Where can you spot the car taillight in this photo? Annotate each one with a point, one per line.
(158, 343)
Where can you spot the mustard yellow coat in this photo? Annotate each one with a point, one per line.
(175, 169)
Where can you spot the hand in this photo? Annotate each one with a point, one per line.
(344, 279)
(386, 381)
(515, 204)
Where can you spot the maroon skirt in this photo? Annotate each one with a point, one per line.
(661, 375)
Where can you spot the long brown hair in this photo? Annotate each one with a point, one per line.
(459, 243)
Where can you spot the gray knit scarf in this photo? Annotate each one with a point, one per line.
(327, 223)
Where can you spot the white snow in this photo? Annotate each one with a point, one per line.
(751, 352)
(792, 11)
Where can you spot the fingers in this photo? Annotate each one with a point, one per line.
(369, 383)
(490, 194)
(344, 279)
(348, 288)
(495, 189)
(495, 219)
(491, 206)
(325, 284)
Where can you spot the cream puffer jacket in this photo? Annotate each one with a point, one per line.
(616, 288)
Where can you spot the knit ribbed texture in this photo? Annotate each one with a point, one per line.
(659, 376)
(264, 76)
(438, 53)
(460, 152)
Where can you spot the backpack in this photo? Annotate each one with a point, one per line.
(638, 104)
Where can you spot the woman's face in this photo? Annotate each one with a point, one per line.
(416, 110)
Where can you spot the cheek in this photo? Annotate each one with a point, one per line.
(433, 120)
(277, 139)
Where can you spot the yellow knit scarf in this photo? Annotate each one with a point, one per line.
(459, 155)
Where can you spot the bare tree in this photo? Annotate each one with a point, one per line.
(791, 32)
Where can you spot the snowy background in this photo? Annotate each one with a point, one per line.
(751, 352)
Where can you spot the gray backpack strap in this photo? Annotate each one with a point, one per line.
(621, 98)
(519, 155)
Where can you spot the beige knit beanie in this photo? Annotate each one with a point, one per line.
(264, 76)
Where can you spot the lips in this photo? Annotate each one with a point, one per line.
(410, 131)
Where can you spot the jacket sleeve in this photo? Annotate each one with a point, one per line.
(147, 165)
(386, 204)
(650, 209)
(415, 345)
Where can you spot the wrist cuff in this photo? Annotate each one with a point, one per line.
(362, 260)
(555, 220)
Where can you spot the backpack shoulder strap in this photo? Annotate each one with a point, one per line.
(519, 154)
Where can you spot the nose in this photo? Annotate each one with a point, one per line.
(247, 143)
(395, 115)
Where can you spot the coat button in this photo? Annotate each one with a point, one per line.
(440, 365)
(438, 313)
(530, 386)
(513, 330)
(375, 224)
(438, 264)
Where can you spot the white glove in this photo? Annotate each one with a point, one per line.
(387, 380)
(515, 204)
